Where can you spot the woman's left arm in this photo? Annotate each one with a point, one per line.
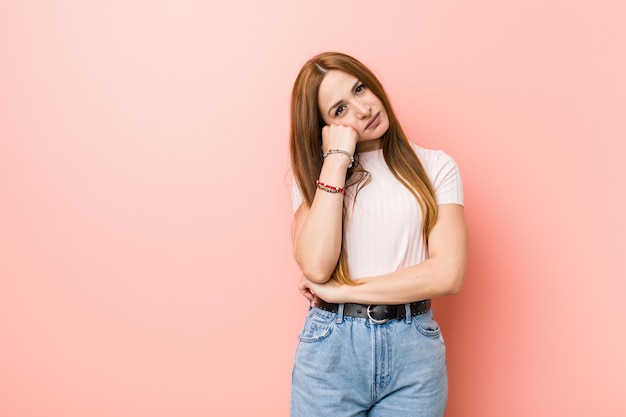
(441, 274)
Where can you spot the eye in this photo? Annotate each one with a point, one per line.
(339, 110)
(360, 88)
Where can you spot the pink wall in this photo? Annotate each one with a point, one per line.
(145, 265)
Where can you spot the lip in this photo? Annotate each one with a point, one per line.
(373, 121)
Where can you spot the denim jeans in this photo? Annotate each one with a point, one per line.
(352, 367)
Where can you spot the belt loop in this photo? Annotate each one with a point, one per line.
(339, 313)
(407, 311)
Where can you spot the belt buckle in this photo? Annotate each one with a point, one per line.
(376, 321)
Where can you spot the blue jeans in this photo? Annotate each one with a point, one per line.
(352, 367)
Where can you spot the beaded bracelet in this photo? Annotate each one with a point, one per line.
(329, 188)
(346, 153)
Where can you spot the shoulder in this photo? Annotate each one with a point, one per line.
(444, 174)
(296, 195)
(433, 159)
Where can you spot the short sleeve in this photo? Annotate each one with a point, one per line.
(296, 195)
(444, 175)
(446, 179)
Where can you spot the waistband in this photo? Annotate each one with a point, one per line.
(377, 313)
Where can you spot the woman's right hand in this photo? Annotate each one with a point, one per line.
(318, 227)
(339, 137)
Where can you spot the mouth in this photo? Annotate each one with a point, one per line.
(373, 122)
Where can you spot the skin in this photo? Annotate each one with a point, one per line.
(356, 121)
(348, 105)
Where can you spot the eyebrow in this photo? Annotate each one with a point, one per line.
(356, 84)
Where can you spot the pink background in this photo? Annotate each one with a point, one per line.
(145, 253)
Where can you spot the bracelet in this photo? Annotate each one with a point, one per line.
(346, 153)
(329, 188)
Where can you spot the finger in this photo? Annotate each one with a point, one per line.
(307, 294)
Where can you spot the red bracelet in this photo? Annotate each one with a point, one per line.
(329, 188)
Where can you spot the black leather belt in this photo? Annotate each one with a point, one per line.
(377, 313)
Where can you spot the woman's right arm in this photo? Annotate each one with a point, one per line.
(318, 229)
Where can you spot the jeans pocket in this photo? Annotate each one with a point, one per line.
(427, 325)
(317, 327)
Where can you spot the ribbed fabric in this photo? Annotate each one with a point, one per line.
(383, 225)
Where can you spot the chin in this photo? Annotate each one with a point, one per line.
(382, 130)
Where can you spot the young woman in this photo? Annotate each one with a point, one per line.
(379, 231)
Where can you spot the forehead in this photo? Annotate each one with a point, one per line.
(336, 85)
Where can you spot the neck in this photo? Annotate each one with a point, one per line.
(369, 145)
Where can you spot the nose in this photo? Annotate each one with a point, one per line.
(363, 110)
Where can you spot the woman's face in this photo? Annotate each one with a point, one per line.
(345, 100)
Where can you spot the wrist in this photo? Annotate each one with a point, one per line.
(335, 168)
(341, 294)
(352, 293)
(329, 188)
(339, 153)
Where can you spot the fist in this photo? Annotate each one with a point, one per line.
(339, 137)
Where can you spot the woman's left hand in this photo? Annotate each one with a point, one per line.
(305, 290)
(330, 291)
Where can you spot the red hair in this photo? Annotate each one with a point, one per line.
(306, 141)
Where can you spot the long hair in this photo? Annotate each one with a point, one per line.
(306, 141)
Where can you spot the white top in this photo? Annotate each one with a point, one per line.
(383, 227)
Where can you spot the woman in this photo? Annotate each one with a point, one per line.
(379, 231)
